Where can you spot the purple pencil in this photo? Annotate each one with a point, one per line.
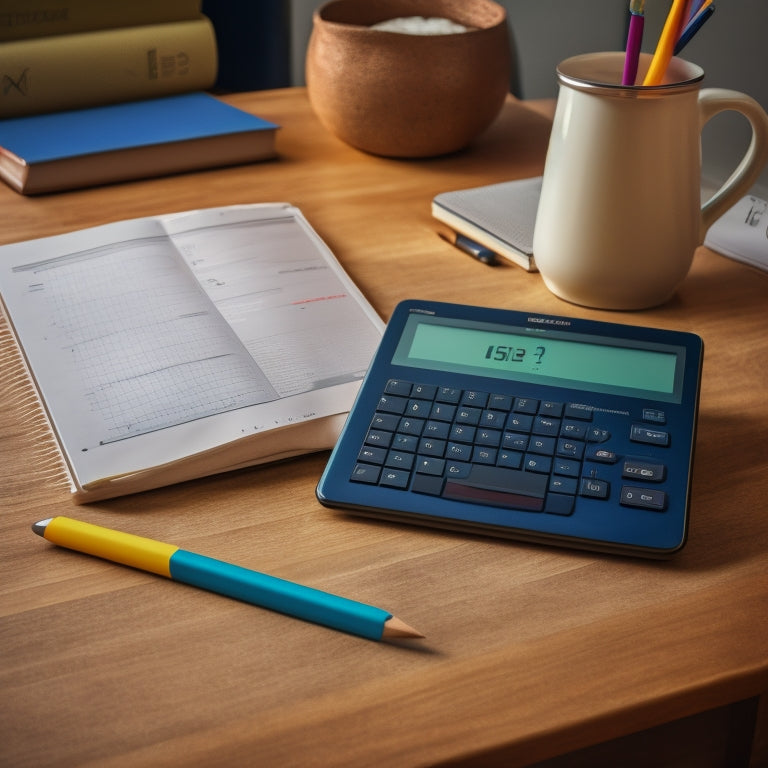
(634, 41)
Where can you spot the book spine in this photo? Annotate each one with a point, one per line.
(22, 19)
(51, 74)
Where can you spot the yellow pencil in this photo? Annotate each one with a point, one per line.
(666, 43)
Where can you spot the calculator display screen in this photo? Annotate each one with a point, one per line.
(554, 357)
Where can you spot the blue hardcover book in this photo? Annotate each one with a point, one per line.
(133, 140)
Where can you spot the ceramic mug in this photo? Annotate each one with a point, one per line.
(620, 213)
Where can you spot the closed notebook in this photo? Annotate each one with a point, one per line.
(120, 142)
(500, 217)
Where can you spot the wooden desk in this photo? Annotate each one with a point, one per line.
(531, 652)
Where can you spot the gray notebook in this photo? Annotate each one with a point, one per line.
(500, 217)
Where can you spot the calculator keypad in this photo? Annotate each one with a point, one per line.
(516, 452)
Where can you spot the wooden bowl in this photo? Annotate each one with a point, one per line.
(405, 95)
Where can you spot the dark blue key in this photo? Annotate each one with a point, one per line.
(437, 429)
(392, 404)
(398, 387)
(448, 395)
(372, 455)
(400, 460)
(385, 421)
(365, 473)
(459, 451)
(394, 478)
(429, 447)
(559, 504)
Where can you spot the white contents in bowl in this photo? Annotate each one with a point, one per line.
(421, 25)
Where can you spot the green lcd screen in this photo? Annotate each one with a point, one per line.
(554, 357)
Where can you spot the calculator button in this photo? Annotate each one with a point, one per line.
(645, 498)
(457, 468)
(598, 435)
(385, 421)
(543, 445)
(490, 437)
(438, 430)
(499, 486)
(574, 431)
(567, 485)
(399, 460)
(468, 416)
(442, 412)
(567, 467)
(371, 455)
(483, 455)
(429, 447)
(603, 455)
(596, 489)
(411, 426)
(635, 469)
(543, 425)
(500, 402)
(459, 451)
(550, 408)
(418, 408)
(405, 443)
(570, 448)
(392, 404)
(462, 433)
(515, 441)
(448, 395)
(526, 405)
(365, 473)
(541, 464)
(398, 387)
(474, 399)
(377, 437)
(642, 434)
(495, 419)
(559, 504)
(424, 391)
(510, 459)
(430, 484)
(430, 465)
(519, 423)
(394, 478)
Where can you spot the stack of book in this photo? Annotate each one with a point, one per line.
(95, 92)
(68, 54)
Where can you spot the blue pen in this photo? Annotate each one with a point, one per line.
(693, 26)
(474, 249)
(225, 579)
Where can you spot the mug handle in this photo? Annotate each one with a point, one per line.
(711, 102)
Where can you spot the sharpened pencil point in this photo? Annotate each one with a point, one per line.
(394, 627)
(39, 528)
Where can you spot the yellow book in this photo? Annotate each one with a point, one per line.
(50, 74)
(21, 19)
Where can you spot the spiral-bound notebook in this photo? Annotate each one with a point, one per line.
(500, 217)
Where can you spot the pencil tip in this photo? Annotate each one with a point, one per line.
(394, 627)
(39, 528)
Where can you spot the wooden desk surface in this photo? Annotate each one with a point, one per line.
(530, 651)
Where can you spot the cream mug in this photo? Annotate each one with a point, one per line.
(620, 213)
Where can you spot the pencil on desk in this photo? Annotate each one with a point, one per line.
(225, 579)
(667, 40)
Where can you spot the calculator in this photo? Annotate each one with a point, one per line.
(529, 426)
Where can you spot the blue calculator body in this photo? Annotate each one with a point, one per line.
(536, 427)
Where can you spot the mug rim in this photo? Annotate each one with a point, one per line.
(601, 72)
